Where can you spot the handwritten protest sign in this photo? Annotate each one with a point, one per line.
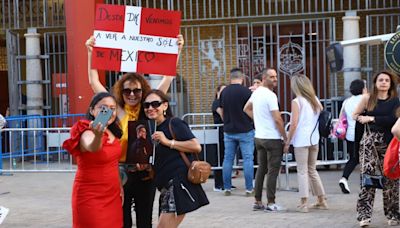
(136, 39)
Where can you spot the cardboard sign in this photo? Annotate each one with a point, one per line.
(136, 39)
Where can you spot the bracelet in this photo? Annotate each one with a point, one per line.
(171, 146)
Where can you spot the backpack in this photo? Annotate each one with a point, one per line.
(325, 122)
(391, 166)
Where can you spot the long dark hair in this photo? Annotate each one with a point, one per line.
(164, 98)
(218, 89)
(373, 99)
(114, 126)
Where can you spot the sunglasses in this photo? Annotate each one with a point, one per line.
(154, 104)
(128, 92)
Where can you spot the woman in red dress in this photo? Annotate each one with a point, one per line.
(96, 195)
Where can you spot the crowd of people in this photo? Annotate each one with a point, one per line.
(143, 142)
(370, 117)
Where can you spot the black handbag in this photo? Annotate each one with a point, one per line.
(368, 180)
(372, 181)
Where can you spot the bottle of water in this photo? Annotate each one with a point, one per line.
(289, 156)
(14, 163)
(339, 131)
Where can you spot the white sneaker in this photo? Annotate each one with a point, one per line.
(274, 208)
(393, 222)
(3, 213)
(365, 222)
(344, 185)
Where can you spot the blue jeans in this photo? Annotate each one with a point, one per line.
(246, 143)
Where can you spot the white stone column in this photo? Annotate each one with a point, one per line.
(34, 88)
(351, 54)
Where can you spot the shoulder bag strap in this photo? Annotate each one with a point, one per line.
(315, 127)
(363, 157)
(183, 155)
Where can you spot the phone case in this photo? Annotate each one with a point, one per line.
(103, 117)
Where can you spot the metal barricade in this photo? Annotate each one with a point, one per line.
(26, 121)
(32, 143)
(51, 159)
(332, 150)
(207, 133)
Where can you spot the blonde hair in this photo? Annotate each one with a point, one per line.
(302, 87)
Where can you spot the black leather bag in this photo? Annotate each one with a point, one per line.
(368, 180)
(372, 181)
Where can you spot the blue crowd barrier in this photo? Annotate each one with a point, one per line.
(31, 143)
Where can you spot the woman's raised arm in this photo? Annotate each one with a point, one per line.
(94, 80)
(166, 81)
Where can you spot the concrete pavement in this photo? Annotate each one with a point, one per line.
(43, 200)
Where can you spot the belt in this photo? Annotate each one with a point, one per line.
(131, 168)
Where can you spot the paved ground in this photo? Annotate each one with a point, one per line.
(43, 200)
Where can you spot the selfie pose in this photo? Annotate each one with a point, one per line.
(178, 196)
(129, 92)
(96, 194)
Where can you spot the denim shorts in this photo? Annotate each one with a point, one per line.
(167, 200)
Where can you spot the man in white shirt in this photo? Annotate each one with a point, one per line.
(269, 131)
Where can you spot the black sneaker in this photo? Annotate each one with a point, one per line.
(258, 206)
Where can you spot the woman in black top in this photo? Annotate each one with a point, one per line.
(218, 184)
(178, 196)
(377, 111)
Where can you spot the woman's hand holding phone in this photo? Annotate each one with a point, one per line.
(99, 124)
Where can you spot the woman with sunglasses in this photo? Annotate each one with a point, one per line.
(177, 195)
(129, 92)
(96, 195)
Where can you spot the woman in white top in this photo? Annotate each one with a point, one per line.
(304, 136)
(357, 89)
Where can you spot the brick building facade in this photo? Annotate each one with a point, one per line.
(290, 36)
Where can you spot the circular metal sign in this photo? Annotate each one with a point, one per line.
(291, 58)
(392, 53)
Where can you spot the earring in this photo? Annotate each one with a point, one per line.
(165, 112)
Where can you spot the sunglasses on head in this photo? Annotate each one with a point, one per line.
(154, 104)
(128, 92)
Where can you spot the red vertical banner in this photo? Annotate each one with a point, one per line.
(79, 22)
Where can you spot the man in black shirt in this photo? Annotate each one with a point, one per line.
(238, 131)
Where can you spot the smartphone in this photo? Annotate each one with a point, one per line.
(103, 117)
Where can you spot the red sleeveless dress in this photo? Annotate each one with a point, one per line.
(96, 200)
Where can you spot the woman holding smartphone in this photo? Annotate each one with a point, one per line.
(96, 194)
(129, 91)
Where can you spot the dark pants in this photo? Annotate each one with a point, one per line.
(142, 193)
(372, 146)
(353, 150)
(218, 182)
(269, 163)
